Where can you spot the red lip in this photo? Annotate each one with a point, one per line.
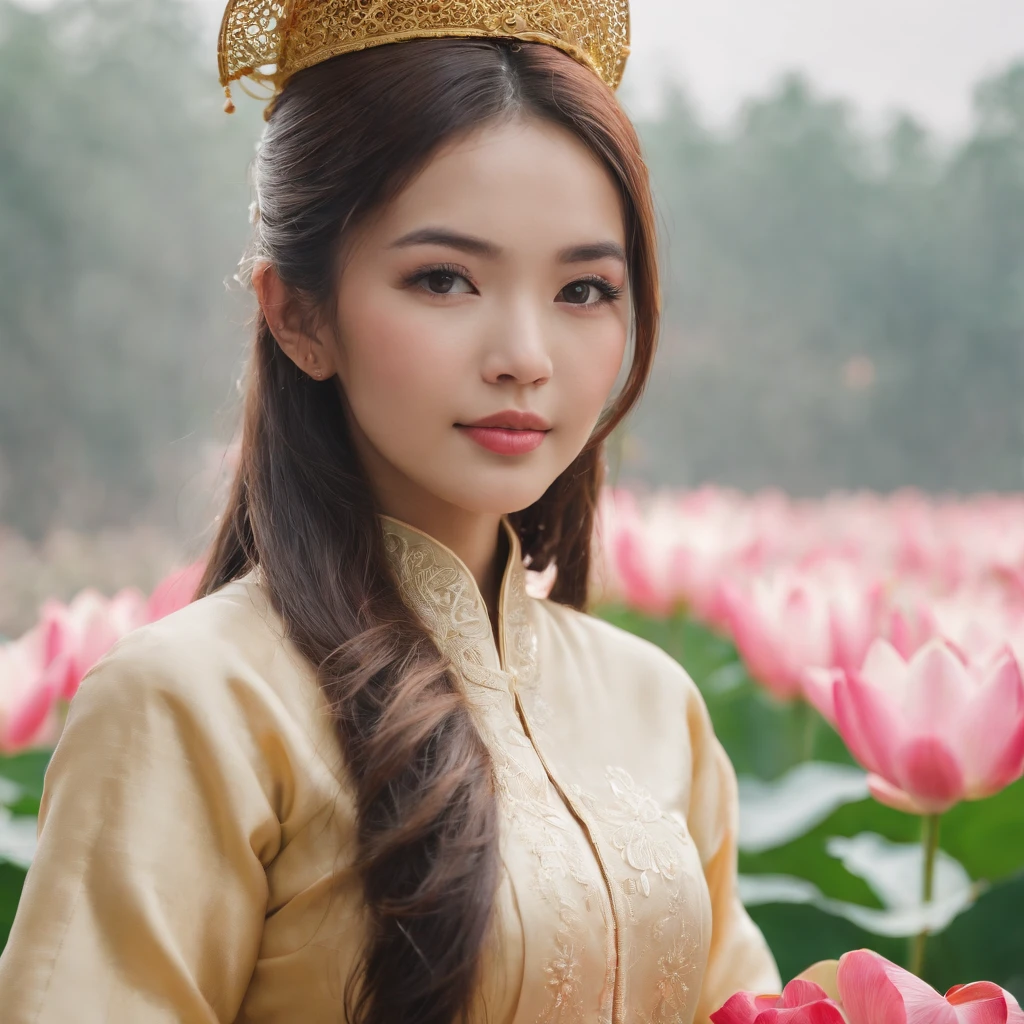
(508, 433)
(511, 419)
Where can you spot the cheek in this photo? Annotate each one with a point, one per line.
(397, 363)
(589, 367)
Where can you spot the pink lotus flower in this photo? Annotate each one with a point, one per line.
(911, 628)
(801, 1002)
(174, 591)
(780, 627)
(932, 731)
(86, 629)
(855, 616)
(874, 990)
(46, 665)
(977, 621)
(28, 694)
(865, 988)
(791, 622)
(671, 552)
(979, 625)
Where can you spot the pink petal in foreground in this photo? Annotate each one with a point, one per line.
(799, 992)
(876, 991)
(885, 668)
(886, 793)
(801, 1002)
(991, 734)
(938, 689)
(982, 1002)
(823, 974)
(822, 1012)
(1014, 1013)
(743, 1008)
(927, 770)
(869, 722)
(867, 994)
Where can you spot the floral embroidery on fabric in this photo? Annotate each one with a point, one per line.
(674, 945)
(444, 600)
(678, 965)
(521, 637)
(447, 602)
(522, 648)
(631, 817)
(675, 972)
(678, 975)
(637, 959)
(564, 982)
(529, 799)
(651, 842)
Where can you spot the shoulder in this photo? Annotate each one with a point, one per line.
(621, 657)
(189, 711)
(226, 647)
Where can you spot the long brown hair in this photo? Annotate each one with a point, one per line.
(344, 137)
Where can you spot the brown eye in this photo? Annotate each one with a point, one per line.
(441, 281)
(578, 293)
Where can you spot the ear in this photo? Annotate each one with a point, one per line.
(289, 323)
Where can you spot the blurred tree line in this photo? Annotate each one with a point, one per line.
(844, 307)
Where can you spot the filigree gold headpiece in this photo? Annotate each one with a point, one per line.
(267, 41)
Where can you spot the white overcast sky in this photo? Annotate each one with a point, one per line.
(919, 55)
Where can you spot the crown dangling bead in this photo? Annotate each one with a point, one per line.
(229, 103)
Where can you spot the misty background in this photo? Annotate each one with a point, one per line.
(841, 195)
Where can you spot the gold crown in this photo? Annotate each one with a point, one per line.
(267, 41)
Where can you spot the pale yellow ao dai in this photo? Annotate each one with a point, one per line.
(197, 829)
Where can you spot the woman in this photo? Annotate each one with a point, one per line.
(365, 776)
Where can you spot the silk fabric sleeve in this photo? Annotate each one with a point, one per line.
(146, 896)
(739, 958)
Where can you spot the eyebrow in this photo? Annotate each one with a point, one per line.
(585, 253)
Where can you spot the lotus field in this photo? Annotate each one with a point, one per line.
(861, 656)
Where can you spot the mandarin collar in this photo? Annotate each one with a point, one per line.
(438, 586)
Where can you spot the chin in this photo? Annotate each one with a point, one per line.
(497, 497)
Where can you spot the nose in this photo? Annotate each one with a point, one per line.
(518, 351)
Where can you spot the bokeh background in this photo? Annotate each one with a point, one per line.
(841, 194)
(840, 188)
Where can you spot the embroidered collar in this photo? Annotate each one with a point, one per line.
(439, 587)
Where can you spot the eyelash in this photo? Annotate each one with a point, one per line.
(609, 292)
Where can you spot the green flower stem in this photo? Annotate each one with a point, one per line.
(806, 728)
(930, 847)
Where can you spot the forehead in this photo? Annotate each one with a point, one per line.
(522, 183)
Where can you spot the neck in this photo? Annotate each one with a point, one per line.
(481, 544)
(476, 537)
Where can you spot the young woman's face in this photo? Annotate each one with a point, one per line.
(491, 292)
